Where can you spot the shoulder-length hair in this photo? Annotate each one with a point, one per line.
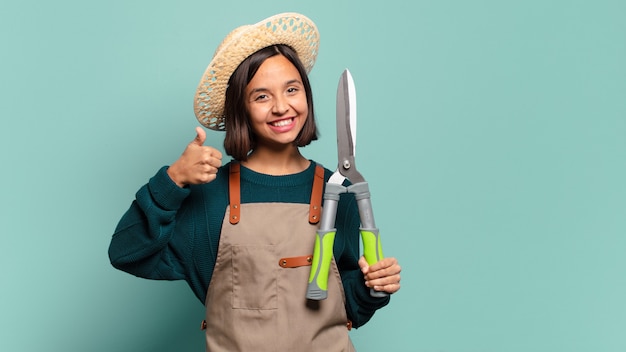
(240, 139)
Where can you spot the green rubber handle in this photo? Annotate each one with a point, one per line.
(324, 243)
(372, 246)
(320, 267)
(373, 253)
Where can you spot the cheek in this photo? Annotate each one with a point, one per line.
(256, 113)
(303, 107)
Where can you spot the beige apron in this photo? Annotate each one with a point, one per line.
(257, 296)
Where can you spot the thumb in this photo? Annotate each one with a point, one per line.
(365, 268)
(200, 137)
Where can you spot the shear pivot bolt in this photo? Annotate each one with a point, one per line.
(346, 164)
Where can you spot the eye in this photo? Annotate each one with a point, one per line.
(292, 90)
(260, 97)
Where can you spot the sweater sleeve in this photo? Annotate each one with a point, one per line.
(141, 244)
(360, 305)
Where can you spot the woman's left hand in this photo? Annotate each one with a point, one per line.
(383, 275)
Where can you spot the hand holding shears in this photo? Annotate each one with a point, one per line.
(346, 168)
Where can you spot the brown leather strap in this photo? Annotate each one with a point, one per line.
(294, 262)
(234, 192)
(315, 208)
(234, 188)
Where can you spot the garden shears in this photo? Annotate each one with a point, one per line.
(346, 169)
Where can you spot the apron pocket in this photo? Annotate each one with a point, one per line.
(254, 277)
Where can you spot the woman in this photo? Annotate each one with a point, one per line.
(242, 234)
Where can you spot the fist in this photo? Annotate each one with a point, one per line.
(383, 275)
(198, 164)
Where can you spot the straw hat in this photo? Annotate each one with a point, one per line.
(292, 29)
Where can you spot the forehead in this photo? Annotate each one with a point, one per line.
(276, 70)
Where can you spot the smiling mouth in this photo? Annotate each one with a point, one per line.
(282, 123)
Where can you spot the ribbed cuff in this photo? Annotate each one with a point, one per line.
(166, 192)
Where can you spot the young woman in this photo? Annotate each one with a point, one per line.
(242, 234)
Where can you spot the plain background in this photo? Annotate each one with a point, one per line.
(493, 134)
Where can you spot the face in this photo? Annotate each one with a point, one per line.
(276, 102)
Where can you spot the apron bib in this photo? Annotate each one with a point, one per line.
(256, 300)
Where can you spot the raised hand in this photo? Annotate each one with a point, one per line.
(198, 164)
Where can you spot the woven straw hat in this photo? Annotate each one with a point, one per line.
(292, 29)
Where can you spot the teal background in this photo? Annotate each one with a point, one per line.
(493, 134)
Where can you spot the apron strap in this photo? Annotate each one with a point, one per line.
(234, 191)
(315, 207)
(294, 262)
(234, 186)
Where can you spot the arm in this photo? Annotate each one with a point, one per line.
(144, 243)
(140, 244)
(360, 305)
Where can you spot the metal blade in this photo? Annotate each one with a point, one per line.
(346, 127)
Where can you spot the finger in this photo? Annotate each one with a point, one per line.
(378, 279)
(383, 273)
(383, 263)
(363, 265)
(200, 136)
(392, 288)
(211, 157)
(206, 177)
(218, 157)
(210, 166)
(380, 284)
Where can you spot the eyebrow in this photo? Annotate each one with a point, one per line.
(295, 80)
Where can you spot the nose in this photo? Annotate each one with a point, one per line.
(281, 106)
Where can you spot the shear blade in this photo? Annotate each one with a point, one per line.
(346, 127)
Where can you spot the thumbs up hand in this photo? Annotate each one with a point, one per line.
(198, 164)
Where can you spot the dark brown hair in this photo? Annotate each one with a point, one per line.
(240, 139)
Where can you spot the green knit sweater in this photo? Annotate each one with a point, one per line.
(172, 233)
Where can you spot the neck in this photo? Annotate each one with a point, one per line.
(274, 163)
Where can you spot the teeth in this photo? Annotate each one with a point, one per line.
(282, 123)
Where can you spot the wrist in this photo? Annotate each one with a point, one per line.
(174, 176)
